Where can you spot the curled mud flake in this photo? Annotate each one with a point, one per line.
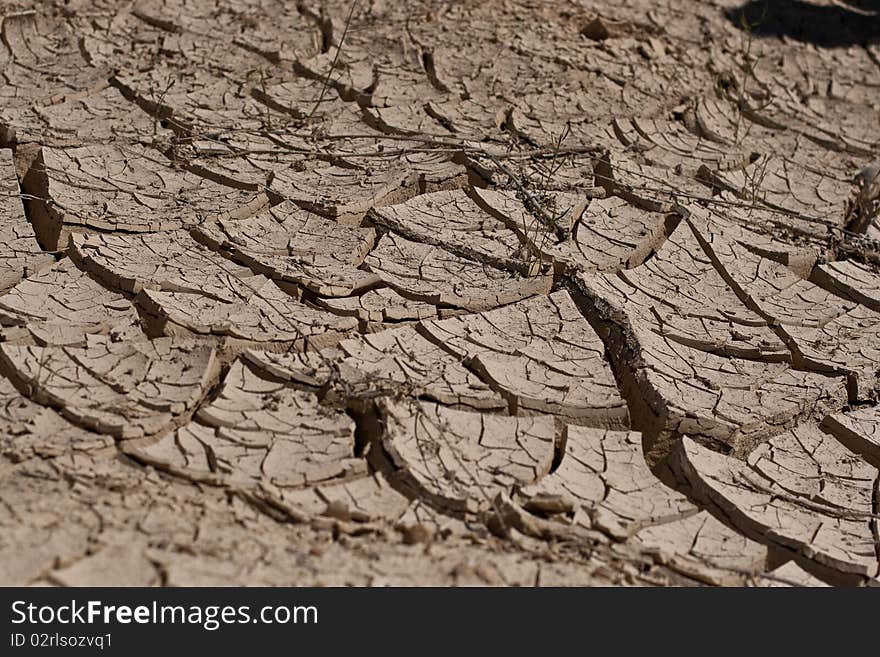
(716, 120)
(301, 98)
(29, 430)
(403, 361)
(433, 275)
(478, 118)
(541, 354)
(360, 500)
(770, 234)
(113, 187)
(258, 431)
(339, 192)
(186, 288)
(830, 123)
(171, 262)
(115, 40)
(229, 35)
(845, 345)
(103, 521)
(850, 280)
(362, 505)
(407, 119)
(545, 120)
(772, 289)
(287, 230)
(649, 187)
(225, 131)
(603, 484)
(395, 363)
(781, 183)
(265, 315)
(825, 333)
(312, 368)
(42, 65)
(124, 389)
(200, 103)
(603, 234)
(691, 390)
(293, 246)
(859, 430)
(274, 35)
(103, 117)
(723, 121)
(20, 254)
(736, 401)
(381, 305)
(352, 76)
(803, 492)
(453, 221)
(679, 293)
(61, 305)
(459, 461)
(345, 191)
(431, 172)
(668, 144)
(787, 575)
(705, 549)
(363, 208)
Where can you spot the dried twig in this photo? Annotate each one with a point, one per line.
(318, 102)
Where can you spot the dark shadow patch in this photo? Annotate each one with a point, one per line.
(847, 23)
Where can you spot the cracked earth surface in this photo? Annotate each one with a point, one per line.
(510, 292)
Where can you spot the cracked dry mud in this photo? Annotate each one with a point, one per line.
(492, 293)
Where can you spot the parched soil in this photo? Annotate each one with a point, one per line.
(495, 292)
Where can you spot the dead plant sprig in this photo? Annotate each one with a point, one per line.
(326, 83)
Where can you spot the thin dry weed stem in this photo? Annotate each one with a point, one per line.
(326, 83)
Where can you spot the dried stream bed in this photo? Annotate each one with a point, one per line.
(494, 293)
